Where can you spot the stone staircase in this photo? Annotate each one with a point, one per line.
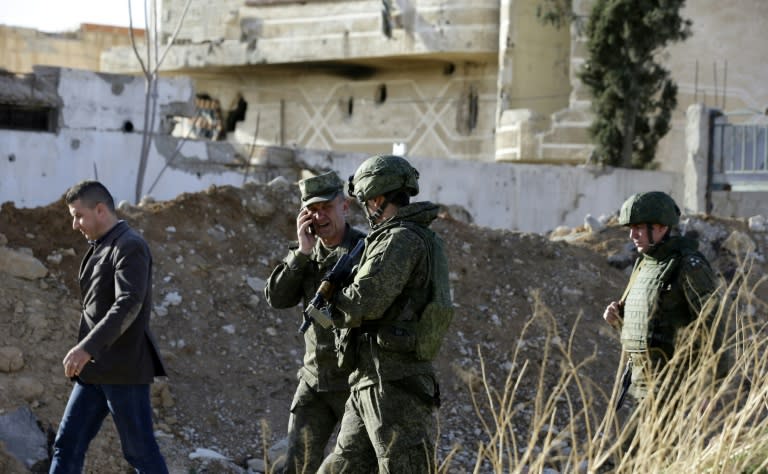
(561, 138)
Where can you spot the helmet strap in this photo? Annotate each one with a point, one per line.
(650, 234)
(374, 216)
(664, 238)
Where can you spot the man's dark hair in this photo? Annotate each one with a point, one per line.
(398, 197)
(90, 193)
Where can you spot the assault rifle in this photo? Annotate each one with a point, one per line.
(626, 381)
(317, 310)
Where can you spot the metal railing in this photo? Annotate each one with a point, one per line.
(739, 156)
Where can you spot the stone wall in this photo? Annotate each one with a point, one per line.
(23, 48)
(425, 107)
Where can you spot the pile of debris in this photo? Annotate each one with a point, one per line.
(232, 359)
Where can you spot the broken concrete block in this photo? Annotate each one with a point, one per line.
(23, 438)
(20, 264)
(11, 359)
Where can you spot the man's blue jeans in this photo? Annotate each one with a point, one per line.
(87, 407)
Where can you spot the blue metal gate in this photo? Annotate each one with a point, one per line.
(739, 156)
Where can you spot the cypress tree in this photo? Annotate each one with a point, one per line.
(633, 95)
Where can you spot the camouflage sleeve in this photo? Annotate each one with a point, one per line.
(284, 287)
(384, 271)
(701, 288)
(698, 280)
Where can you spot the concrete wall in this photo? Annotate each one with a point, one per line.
(23, 48)
(234, 34)
(728, 44)
(425, 108)
(739, 204)
(697, 159)
(533, 60)
(525, 197)
(36, 168)
(45, 165)
(201, 21)
(698, 197)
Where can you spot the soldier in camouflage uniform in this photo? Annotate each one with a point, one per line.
(668, 288)
(324, 236)
(388, 422)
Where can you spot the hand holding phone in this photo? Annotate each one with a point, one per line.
(305, 231)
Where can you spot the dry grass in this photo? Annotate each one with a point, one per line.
(690, 423)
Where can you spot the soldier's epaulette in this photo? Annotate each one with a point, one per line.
(694, 260)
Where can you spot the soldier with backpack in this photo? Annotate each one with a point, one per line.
(392, 318)
(670, 284)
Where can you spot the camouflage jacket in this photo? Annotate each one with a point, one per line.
(295, 280)
(391, 284)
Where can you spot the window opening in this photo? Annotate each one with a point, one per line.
(27, 118)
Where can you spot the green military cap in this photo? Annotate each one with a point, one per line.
(320, 188)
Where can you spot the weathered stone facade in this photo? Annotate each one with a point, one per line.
(346, 75)
(23, 48)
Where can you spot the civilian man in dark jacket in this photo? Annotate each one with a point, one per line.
(115, 358)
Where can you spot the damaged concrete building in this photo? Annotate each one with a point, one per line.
(23, 48)
(482, 94)
(360, 76)
(58, 126)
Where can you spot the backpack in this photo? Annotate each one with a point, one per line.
(430, 327)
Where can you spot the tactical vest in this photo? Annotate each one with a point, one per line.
(654, 306)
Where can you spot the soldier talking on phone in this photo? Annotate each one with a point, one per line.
(324, 236)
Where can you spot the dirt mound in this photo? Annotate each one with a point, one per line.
(232, 359)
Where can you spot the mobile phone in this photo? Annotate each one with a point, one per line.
(311, 229)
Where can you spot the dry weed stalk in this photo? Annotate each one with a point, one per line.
(691, 422)
(563, 397)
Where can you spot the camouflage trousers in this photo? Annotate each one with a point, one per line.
(314, 416)
(389, 428)
(645, 369)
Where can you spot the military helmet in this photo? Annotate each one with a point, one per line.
(381, 174)
(653, 207)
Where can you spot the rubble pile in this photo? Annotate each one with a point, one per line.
(232, 359)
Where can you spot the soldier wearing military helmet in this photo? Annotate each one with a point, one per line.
(388, 423)
(377, 177)
(669, 288)
(324, 236)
